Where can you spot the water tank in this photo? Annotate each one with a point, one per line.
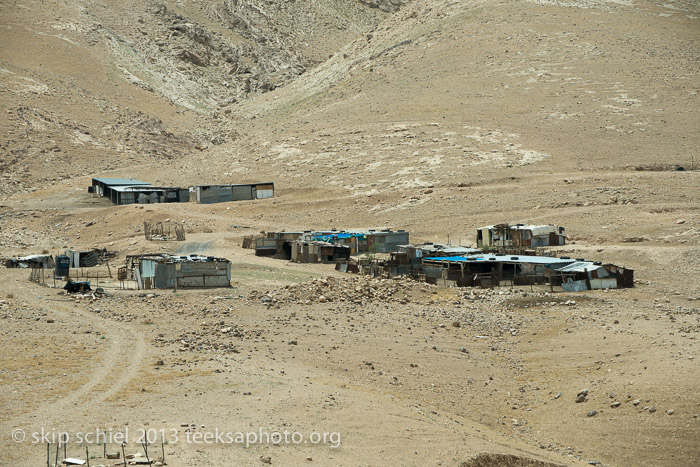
(62, 266)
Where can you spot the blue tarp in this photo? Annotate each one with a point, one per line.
(331, 238)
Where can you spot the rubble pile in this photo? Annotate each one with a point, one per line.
(508, 296)
(213, 336)
(358, 290)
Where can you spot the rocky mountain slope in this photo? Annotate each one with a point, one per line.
(86, 84)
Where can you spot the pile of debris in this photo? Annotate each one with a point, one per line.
(357, 289)
(213, 336)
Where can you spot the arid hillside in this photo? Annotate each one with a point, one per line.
(107, 86)
(434, 116)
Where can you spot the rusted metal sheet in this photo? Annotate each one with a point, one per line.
(574, 286)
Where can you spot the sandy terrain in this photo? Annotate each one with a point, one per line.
(437, 117)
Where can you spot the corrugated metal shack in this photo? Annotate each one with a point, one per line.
(280, 244)
(428, 249)
(148, 195)
(408, 259)
(31, 262)
(129, 191)
(586, 275)
(318, 252)
(520, 236)
(490, 270)
(103, 186)
(277, 244)
(83, 258)
(364, 241)
(163, 271)
(572, 275)
(208, 194)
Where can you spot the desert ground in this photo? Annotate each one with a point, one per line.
(437, 117)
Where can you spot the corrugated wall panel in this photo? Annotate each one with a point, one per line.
(242, 192)
(165, 275)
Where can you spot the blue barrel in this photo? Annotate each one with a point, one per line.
(62, 266)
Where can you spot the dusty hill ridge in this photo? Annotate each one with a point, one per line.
(143, 82)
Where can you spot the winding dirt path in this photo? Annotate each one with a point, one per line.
(118, 363)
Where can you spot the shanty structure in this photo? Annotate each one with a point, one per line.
(162, 271)
(520, 236)
(572, 275)
(31, 262)
(148, 195)
(364, 241)
(277, 244)
(129, 191)
(103, 186)
(318, 252)
(428, 249)
(586, 275)
(207, 194)
(281, 244)
(83, 258)
(408, 259)
(490, 270)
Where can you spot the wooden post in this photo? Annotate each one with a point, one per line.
(104, 448)
(145, 450)
(123, 454)
(162, 448)
(64, 450)
(58, 446)
(87, 456)
(551, 282)
(98, 280)
(108, 269)
(48, 454)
